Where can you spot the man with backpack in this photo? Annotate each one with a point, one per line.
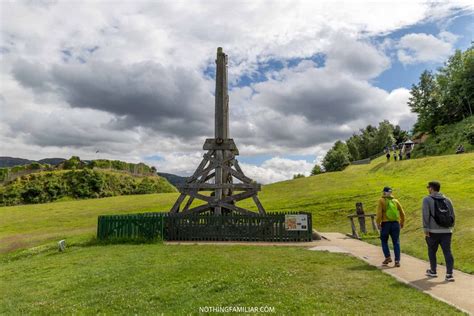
(390, 219)
(438, 223)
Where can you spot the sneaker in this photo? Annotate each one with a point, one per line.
(449, 278)
(386, 261)
(431, 274)
(397, 264)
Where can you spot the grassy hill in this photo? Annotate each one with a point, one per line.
(330, 197)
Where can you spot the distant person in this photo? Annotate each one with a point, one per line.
(438, 223)
(394, 155)
(387, 153)
(460, 149)
(408, 153)
(400, 155)
(390, 219)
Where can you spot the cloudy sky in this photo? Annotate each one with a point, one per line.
(134, 80)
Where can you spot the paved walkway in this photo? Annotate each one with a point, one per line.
(412, 272)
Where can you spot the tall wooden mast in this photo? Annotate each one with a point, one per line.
(219, 163)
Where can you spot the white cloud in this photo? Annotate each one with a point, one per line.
(420, 47)
(360, 59)
(131, 52)
(277, 169)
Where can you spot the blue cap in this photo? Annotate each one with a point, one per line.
(387, 190)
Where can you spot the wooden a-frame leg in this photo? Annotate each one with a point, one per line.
(175, 208)
(261, 210)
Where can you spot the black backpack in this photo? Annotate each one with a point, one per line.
(443, 215)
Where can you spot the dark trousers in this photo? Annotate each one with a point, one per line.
(443, 239)
(391, 229)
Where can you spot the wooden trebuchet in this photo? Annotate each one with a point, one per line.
(219, 167)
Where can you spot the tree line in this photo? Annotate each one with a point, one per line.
(445, 96)
(370, 141)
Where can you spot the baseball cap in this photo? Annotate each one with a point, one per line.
(387, 190)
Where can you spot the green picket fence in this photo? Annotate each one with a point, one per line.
(191, 227)
(234, 227)
(131, 226)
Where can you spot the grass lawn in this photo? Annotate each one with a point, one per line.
(173, 279)
(330, 197)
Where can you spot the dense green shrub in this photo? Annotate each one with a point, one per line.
(7, 174)
(133, 168)
(337, 158)
(73, 163)
(447, 138)
(85, 183)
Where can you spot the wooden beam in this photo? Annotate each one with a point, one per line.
(239, 175)
(227, 144)
(208, 177)
(200, 170)
(222, 161)
(261, 210)
(235, 208)
(237, 166)
(198, 209)
(218, 185)
(197, 195)
(188, 203)
(175, 208)
(240, 196)
(215, 186)
(204, 171)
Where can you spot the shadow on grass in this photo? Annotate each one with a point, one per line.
(378, 166)
(119, 241)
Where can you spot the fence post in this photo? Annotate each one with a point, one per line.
(361, 218)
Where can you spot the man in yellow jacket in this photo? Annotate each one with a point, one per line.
(390, 219)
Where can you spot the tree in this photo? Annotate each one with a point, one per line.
(446, 97)
(72, 163)
(353, 144)
(423, 102)
(456, 84)
(399, 135)
(383, 137)
(316, 170)
(298, 175)
(337, 158)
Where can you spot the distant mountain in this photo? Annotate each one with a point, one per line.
(52, 161)
(7, 162)
(172, 178)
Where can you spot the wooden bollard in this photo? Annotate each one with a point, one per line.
(361, 217)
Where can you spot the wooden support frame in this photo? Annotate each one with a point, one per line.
(220, 165)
